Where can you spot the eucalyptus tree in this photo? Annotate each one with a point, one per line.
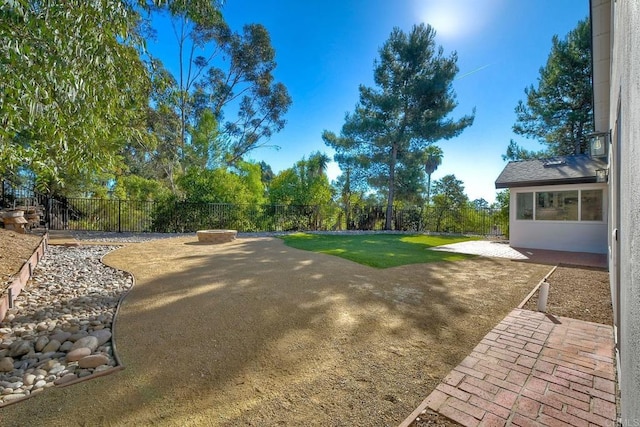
(226, 73)
(191, 22)
(242, 93)
(407, 110)
(73, 87)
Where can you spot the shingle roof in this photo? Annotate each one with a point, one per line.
(551, 171)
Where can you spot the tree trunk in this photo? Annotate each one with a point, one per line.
(392, 185)
(428, 189)
(578, 142)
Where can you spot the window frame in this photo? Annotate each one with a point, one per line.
(557, 204)
(534, 192)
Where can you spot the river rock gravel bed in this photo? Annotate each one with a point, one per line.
(60, 327)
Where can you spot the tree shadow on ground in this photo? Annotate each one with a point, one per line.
(257, 333)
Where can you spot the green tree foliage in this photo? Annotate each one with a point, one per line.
(480, 203)
(190, 21)
(223, 101)
(305, 184)
(306, 187)
(410, 187)
(516, 152)
(407, 110)
(266, 173)
(161, 155)
(432, 159)
(160, 159)
(449, 192)
(502, 203)
(134, 187)
(246, 83)
(223, 185)
(251, 175)
(351, 186)
(449, 203)
(559, 111)
(205, 148)
(72, 87)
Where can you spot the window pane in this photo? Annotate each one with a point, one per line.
(524, 205)
(591, 205)
(557, 206)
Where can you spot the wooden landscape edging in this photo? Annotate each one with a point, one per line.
(18, 283)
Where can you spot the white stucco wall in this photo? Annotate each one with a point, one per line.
(625, 96)
(571, 236)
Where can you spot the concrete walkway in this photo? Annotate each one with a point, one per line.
(495, 249)
(532, 369)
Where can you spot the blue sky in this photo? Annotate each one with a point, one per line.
(326, 49)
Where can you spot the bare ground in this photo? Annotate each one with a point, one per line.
(15, 250)
(579, 293)
(257, 333)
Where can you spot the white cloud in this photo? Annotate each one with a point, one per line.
(457, 19)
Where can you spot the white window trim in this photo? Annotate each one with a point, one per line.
(536, 190)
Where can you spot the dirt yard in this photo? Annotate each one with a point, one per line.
(15, 250)
(257, 333)
(578, 293)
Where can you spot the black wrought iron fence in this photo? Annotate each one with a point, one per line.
(176, 217)
(86, 214)
(13, 195)
(466, 220)
(100, 214)
(188, 216)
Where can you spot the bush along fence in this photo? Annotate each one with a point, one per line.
(87, 214)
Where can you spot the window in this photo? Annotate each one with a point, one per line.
(524, 202)
(576, 205)
(557, 206)
(591, 205)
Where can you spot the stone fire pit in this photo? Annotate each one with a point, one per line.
(216, 236)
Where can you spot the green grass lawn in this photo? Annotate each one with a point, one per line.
(379, 250)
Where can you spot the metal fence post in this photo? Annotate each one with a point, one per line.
(175, 215)
(119, 216)
(47, 217)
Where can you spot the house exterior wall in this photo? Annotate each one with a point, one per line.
(624, 120)
(572, 236)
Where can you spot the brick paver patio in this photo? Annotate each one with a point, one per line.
(532, 369)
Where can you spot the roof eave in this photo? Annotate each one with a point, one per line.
(543, 183)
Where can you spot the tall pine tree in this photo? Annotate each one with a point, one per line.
(559, 111)
(406, 111)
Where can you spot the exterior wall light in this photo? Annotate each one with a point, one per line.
(598, 144)
(602, 175)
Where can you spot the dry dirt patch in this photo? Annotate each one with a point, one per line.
(15, 250)
(579, 293)
(257, 333)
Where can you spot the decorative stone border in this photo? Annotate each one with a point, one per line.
(216, 236)
(10, 293)
(66, 381)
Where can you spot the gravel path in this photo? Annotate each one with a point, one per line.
(60, 327)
